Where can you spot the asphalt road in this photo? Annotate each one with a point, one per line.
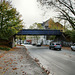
(57, 62)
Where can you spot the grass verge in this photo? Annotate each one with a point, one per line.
(4, 48)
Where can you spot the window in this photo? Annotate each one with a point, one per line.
(57, 44)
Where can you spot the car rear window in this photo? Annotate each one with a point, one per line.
(57, 44)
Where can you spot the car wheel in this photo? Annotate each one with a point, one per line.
(54, 48)
(49, 47)
(60, 49)
(71, 49)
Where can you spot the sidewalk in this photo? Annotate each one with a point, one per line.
(18, 62)
(66, 48)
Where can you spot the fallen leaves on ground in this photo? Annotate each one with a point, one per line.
(1, 67)
(6, 61)
(1, 55)
(36, 60)
(14, 68)
(15, 63)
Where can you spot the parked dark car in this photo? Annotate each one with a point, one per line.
(38, 44)
(33, 43)
(73, 47)
(55, 45)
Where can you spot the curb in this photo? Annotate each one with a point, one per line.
(39, 64)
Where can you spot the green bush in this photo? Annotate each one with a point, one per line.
(71, 35)
(4, 48)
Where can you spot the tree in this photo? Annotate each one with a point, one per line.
(66, 9)
(36, 26)
(54, 25)
(10, 22)
(70, 35)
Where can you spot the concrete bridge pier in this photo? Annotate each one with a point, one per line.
(13, 41)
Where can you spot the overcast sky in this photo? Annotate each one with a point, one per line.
(30, 12)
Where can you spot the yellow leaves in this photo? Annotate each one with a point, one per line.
(3, 73)
(54, 25)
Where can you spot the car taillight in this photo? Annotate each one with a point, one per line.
(55, 45)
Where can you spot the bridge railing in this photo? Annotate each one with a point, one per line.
(39, 32)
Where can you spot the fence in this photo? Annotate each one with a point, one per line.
(67, 44)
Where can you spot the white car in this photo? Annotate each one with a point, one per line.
(73, 47)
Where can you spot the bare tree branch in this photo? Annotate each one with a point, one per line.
(68, 6)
